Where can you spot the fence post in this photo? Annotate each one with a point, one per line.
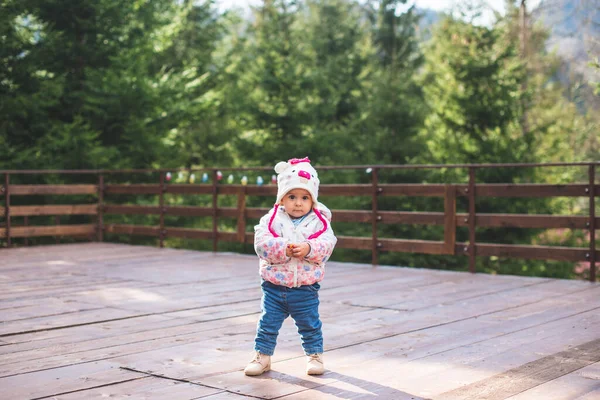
(161, 207)
(7, 207)
(214, 210)
(26, 223)
(471, 193)
(100, 211)
(374, 218)
(450, 220)
(57, 223)
(592, 223)
(241, 222)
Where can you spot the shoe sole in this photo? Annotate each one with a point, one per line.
(259, 373)
(315, 372)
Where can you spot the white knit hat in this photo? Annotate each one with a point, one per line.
(297, 174)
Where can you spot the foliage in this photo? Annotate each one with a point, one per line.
(181, 84)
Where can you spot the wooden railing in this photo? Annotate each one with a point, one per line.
(449, 218)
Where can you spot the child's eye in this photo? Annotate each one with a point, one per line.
(305, 198)
(292, 197)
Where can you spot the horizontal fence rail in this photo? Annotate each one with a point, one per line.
(449, 218)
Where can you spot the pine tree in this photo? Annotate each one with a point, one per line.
(396, 106)
(81, 90)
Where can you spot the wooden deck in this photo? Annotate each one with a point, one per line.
(100, 320)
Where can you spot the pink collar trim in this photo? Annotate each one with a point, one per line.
(313, 236)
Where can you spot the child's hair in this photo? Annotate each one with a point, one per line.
(297, 174)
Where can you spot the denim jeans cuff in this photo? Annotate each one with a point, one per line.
(315, 350)
(262, 350)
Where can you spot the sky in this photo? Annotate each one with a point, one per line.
(438, 5)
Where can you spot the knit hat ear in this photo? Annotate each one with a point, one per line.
(281, 166)
(296, 174)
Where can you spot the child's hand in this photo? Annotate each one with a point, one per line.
(300, 250)
(289, 249)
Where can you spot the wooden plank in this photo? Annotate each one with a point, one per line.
(352, 216)
(241, 221)
(406, 217)
(48, 309)
(375, 244)
(268, 190)
(525, 221)
(482, 220)
(349, 242)
(366, 356)
(324, 190)
(578, 383)
(7, 219)
(228, 236)
(526, 190)
(75, 209)
(188, 189)
(188, 233)
(345, 190)
(530, 375)
(450, 220)
(179, 332)
(251, 190)
(385, 217)
(62, 230)
(256, 213)
(133, 229)
(100, 217)
(426, 326)
(410, 189)
(183, 211)
(404, 245)
(413, 246)
(438, 359)
(63, 321)
(531, 252)
(137, 188)
(52, 189)
(64, 380)
(188, 211)
(146, 388)
(131, 210)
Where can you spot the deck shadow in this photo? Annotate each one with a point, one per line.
(374, 391)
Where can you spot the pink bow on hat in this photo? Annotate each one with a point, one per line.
(295, 161)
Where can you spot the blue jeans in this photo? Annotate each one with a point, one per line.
(279, 302)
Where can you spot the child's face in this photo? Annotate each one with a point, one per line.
(297, 202)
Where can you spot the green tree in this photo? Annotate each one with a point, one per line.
(77, 89)
(271, 77)
(395, 105)
(474, 85)
(195, 63)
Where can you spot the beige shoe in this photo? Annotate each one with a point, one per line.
(314, 364)
(261, 363)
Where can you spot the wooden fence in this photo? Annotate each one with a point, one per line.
(449, 218)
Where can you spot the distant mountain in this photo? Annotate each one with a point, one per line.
(574, 29)
(575, 36)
